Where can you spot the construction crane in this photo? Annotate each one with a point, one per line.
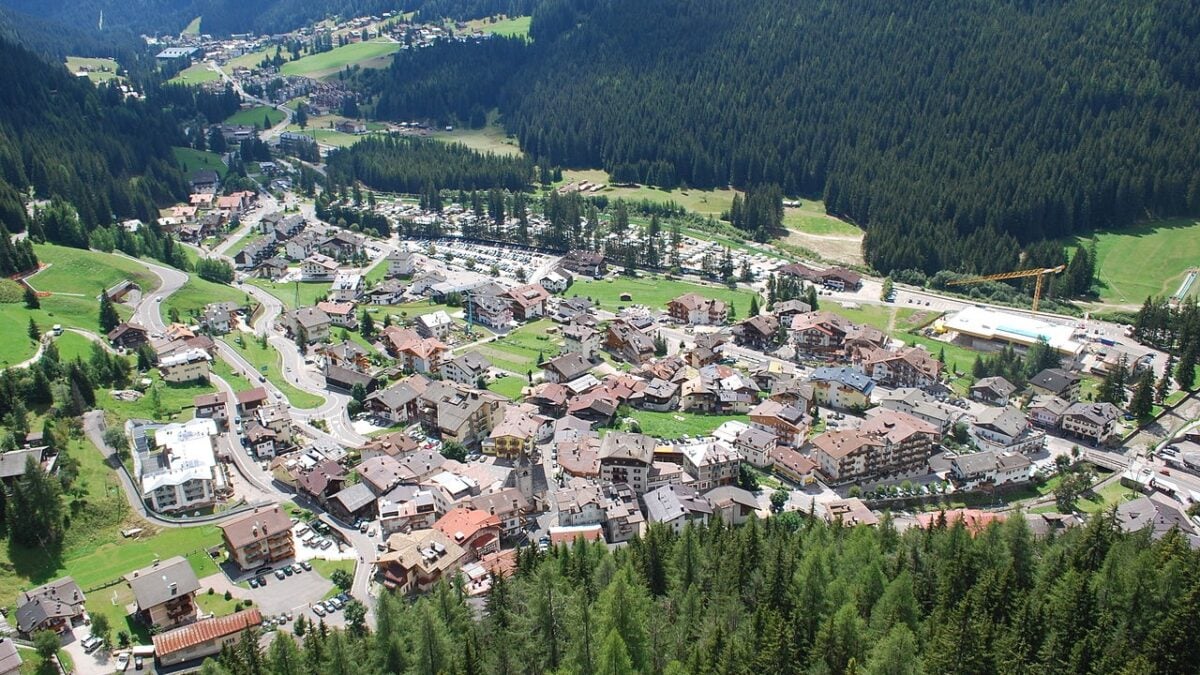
(1040, 273)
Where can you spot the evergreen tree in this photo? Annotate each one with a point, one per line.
(31, 299)
(1142, 404)
(108, 314)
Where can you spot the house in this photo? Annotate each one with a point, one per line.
(466, 369)
(1046, 410)
(386, 292)
(758, 332)
(188, 365)
(908, 367)
(579, 503)
(711, 464)
(55, 606)
(273, 268)
(345, 379)
(260, 537)
(909, 440)
(696, 310)
(350, 127)
(182, 474)
(787, 424)
(346, 354)
(10, 659)
(842, 388)
(205, 638)
(217, 317)
(434, 325)
(416, 561)
(516, 433)
(476, 531)
(659, 395)
(993, 390)
(318, 267)
(581, 339)
(342, 245)
(922, 405)
(165, 593)
(382, 473)
(528, 302)
(406, 508)
(304, 245)
(627, 458)
(204, 180)
(628, 343)
(461, 415)
(585, 263)
(677, 505)
(490, 306)
(718, 389)
(794, 466)
(818, 332)
(565, 368)
(732, 504)
(990, 469)
(396, 444)
(398, 403)
(212, 406)
(401, 263)
(556, 280)
(841, 279)
(1006, 429)
(353, 502)
(341, 314)
(346, 287)
(263, 442)
(310, 322)
(1157, 514)
(276, 417)
(420, 355)
(787, 309)
(248, 401)
(623, 517)
(1094, 422)
(567, 535)
(1056, 382)
(573, 310)
(128, 336)
(507, 504)
(755, 446)
(844, 456)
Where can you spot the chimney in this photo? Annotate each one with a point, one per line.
(174, 587)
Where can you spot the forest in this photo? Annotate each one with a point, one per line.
(919, 121)
(108, 156)
(418, 165)
(790, 595)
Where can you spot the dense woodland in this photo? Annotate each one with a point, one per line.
(921, 121)
(417, 165)
(792, 596)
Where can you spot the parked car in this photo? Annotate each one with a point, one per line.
(138, 663)
(318, 609)
(306, 565)
(254, 582)
(297, 568)
(122, 662)
(288, 571)
(280, 575)
(90, 644)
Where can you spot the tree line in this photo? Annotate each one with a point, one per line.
(918, 121)
(789, 595)
(415, 165)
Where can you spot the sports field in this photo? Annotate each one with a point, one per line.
(330, 62)
(1145, 260)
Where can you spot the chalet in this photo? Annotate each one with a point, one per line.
(401, 263)
(259, 537)
(628, 343)
(311, 322)
(528, 302)
(556, 281)
(466, 369)
(345, 379)
(165, 593)
(674, 506)
(205, 638)
(248, 401)
(398, 403)
(457, 414)
(697, 310)
(213, 406)
(758, 332)
(1006, 430)
(55, 606)
(188, 365)
(476, 531)
(346, 354)
(1094, 422)
(755, 446)
(1056, 382)
(317, 267)
(346, 287)
(341, 245)
(848, 455)
(263, 442)
(341, 314)
(516, 433)
(794, 466)
(993, 390)
(565, 368)
(659, 395)
(818, 332)
(711, 463)
(1046, 411)
(627, 458)
(842, 388)
(303, 245)
(732, 504)
(490, 306)
(922, 405)
(582, 340)
(786, 423)
(989, 468)
(386, 292)
(585, 263)
(128, 336)
(273, 268)
(434, 325)
(908, 367)
(415, 562)
(786, 309)
(354, 502)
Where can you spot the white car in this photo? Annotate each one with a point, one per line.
(122, 662)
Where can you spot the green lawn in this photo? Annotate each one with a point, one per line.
(235, 380)
(191, 298)
(326, 569)
(270, 359)
(1123, 273)
(193, 27)
(196, 160)
(1113, 493)
(309, 292)
(253, 235)
(71, 345)
(79, 272)
(332, 137)
(197, 73)
(377, 272)
(508, 386)
(99, 70)
(675, 424)
(810, 218)
(518, 351)
(887, 318)
(175, 400)
(515, 26)
(704, 202)
(250, 60)
(255, 115)
(411, 310)
(492, 138)
(216, 604)
(330, 62)
(654, 292)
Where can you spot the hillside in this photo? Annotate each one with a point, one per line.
(921, 121)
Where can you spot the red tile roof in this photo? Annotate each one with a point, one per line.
(205, 631)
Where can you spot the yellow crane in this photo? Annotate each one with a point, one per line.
(1039, 272)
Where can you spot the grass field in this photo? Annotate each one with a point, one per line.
(331, 137)
(518, 351)
(330, 62)
(508, 386)
(309, 291)
(71, 345)
(249, 61)
(175, 401)
(704, 202)
(810, 218)
(255, 116)
(887, 318)
(79, 272)
(377, 272)
(195, 160)
(197, 73)
(673, 425)
(99, 70)
(491, 138)
(193, 27)
(196, 293)
(516, 26)
(654, 292)
(1145, 260)
(268, 357)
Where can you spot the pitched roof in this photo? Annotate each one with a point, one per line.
(627, 446)
(462, 524)
(1096, 413)
(206, 630)
(56, 599)
(162, 581)
(255, 526)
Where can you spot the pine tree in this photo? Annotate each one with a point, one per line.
(34, 333)
(1142, 405)
(1185, 370)
(108, 314)
(1163, 388)
(754, 309)
(31, 299)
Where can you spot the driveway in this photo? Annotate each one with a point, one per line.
(96, 663)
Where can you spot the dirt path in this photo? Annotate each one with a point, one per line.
(839, 248)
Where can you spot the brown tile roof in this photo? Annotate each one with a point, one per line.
(255, 526)
(207, 630)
